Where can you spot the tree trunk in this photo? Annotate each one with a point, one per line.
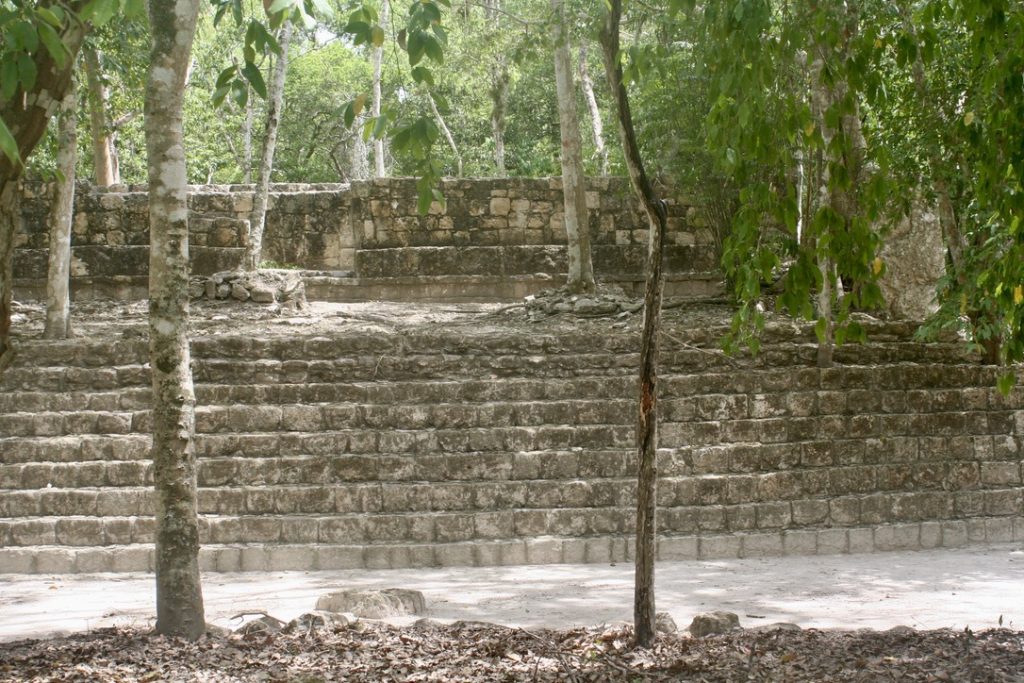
(595, 114)
(258, 217)
(378, 67)
(499, 107)
(647, 424)
(179, 596)
(58, 294)
(10, 221)
(447, 135)
(499, 89)
(577, 223)
(358, 154)
(250, 115)
(104, 155)
(27, 115)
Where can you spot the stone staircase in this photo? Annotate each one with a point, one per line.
(452, 448)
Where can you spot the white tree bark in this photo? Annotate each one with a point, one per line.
(358, 154)
(499, 107)
(106, 166)
(58, 293)
(577, 228)
(179, 596)
(275, 95)
(378, 67)
(447, 135)
(595, 113)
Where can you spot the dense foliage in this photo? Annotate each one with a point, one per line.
(804, 129)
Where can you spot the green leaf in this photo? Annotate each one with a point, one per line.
(422, 74)
(401, 140)
(377, 36)
(255, 78)
(219, 94)
(26, 72)
(349, 116)
(416, 47)
(24, 34)
(433, 49)
(1006, 382)
(99, 12)
(47, 15)
(424, 198)
(280, 5)
(54, 45)
(239, 93)
(380, 126)
(7, 144)
(8, 78)
(226, 76)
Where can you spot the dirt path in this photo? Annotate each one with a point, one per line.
(926, 590)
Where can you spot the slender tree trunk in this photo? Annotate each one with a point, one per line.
(104, 156)
(577, 223)
(498, 90)
(595, 114)
(258, 218)
(179, 595)
(378, 68)
(250, 115)
(26, 115)
(447, 135)
(10, 221)
(499, 107)
(647, 424)
(58, 294)
(358, 154)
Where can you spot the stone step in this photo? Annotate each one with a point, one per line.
(523, 259)
(124, 260)
(870, 494)
(779, 392)
(606, 548)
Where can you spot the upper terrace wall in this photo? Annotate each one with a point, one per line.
(321, 227)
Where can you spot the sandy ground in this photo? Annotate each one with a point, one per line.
(929, 589)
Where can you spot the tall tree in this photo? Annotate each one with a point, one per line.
(179, 597)
(378, 70)
(647, 422)
(106, 167)
(577, 224)
(44, 68)
(58, 294)
(275, 93)
(597, 126)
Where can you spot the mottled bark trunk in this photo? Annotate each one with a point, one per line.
(499, 77)
(58, 292)
(27, 115)
(104, 155)
(378, 68)
(275, 96)
(595, 113)
(647, 423)
(179, 597)
(10, 221)
(577, 223)
(247, 122)
(358, 156)
(499, 107)
(447, 135)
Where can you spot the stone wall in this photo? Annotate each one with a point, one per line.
(322, 227)
(461, 446)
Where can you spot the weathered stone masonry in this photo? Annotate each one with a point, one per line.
(371, 229)
(350, 451)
